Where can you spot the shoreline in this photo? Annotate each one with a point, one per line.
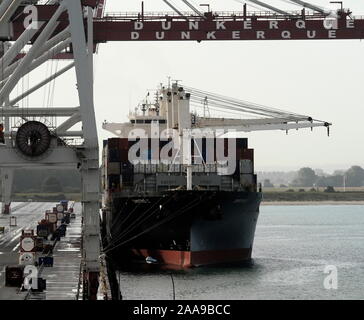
(312, 203)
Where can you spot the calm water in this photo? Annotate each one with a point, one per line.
(293, 245)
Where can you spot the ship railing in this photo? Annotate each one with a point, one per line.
(221, 15)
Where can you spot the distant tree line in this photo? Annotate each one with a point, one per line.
(307, 177)
(46, 181)
(276, 177)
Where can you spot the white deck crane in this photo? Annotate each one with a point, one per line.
(174, 119)
(252, 117)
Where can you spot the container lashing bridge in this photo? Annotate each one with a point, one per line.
(72, 30)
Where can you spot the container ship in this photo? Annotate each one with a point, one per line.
(178, 192)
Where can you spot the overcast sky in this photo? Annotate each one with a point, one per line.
(322, 79)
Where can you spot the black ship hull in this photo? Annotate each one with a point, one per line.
(182, 229)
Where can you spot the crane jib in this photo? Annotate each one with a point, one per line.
(259, 30)
(229, 30)
(215, 27)
(246, 30)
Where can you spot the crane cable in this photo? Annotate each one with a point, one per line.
(133, 226)
(311, 6)
(267, 6)
(244, 107)
(241, 109)
(128, 230)
(240, 104)
(118, 218)
(198, 105)
(173, 216)
(194, 9)
(174, 8)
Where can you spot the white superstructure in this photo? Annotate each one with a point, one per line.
(172, 110)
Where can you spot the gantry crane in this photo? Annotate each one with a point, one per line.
(32, 144)
(72, 29)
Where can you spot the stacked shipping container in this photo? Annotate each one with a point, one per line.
(118, 173)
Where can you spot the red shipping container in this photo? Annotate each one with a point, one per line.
(113, 143)
(247, 154)
(124, 155)
(123, 144)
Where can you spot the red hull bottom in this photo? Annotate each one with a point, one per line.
(188, 259)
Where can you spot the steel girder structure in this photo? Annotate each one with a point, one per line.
(143, 26)
(45, 43)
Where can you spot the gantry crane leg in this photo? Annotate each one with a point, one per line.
(90, 163)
